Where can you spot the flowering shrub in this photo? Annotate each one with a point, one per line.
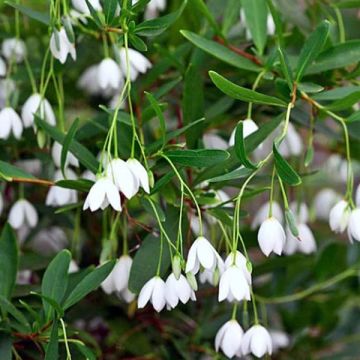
(179, 179)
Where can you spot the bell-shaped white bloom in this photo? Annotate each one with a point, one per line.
(59, 196)
(81, 6)
(73, 267)
(120, 173)
(249, 127)
(61, 46)
(10, 122)
(88, 175)
(176, 290)
(23, 277)
(229, 338)
(339, 216)
(324, 202)
(212, 276)
(354, 225)
(101, 194)
(154, 291)
(235, 281)
(88, 81)
(214, 141)
(120, 276)
(14, 49)
(201, 253)
(300, 211)
(35, 104)
(336, 164)
(2, 67)
(263, 213)
(23, 213)
(109, 74)
(357, 196)
(292, 144)
(138, 63)
(49, 241)
(305, 243)
(56, 155)
(153, 8)
(256, 341)
(108, 285)
(271, 237)
(279, 339)
(139, 173)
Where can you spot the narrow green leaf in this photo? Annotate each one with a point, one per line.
(137, 42)
(312, 48)
(79, 185)
(278, 23)
(5, 345)
(345, 103)
(8, 261)
(54, 305)
(233, 175)
(197, 158)
(310, 88)
(89, 355)
(38, 16)
(240, 149)
(309, 156)
(204, 11)
(220, 52)
(348, 4)
(231, 15)
(291, 222)
(285, 67)
(284, 169)
(55, 280)
(95, 16)
(256, 12)
(353, 117)
(241, 93)
(7, 307)
(66, 144)
(11, 171)
(52, 348)
(89, 283)
(110, 10)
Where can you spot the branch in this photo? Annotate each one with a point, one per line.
(33, 181)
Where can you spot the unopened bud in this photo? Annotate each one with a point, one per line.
(176, 266)
(192, 280)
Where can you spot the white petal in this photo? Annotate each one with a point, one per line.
(158, 295)
(146, 292)
(30, 214)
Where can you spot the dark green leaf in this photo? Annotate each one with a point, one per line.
(197, 158)
(220, 52)
(79, 185)
(110, 10)
(290, 220)
(233, 175)
(8, 171)
(95, 16)
(240, 149)
(5, 346)
(52, 348)
(231, 15)
(66, 144)
(38, 16)
(310, 88)
(89, 355)
(285, 67)
(241, 93)
(348, 4)
(7, 307)
(345, 103)
(137, 42)
(353, 117)
(204, 11)
(8, 261)
(312, 48)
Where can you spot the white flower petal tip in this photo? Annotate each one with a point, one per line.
(138, 63)
(10, 123)
(61, 47)
(249, 127)
(81, 6)
(56, 155)
(263, 214)
(324, 202)
(14, 49)
(271, 237)
(139, 173)
(354, 225)
(339, 216)
(154, 291)
(229, 338)
(23, 213)
(257, 341)
(178, 289)
(109, 74)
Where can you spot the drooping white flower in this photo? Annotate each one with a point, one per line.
(14, 49)
(339, 216)
(49, 241)
(120, 277)
(108, 285)
(305, 243)
(81, 6)
(109, 74)
(23, 213)
(292, 144)
(249, 127)
(212, 276)
(256, 341)
(324, 202)
(357, 196)
(121, 175)
(214, 141)
(235, 281)
(201, 253)
(88, 175)
(23, 277)
(300, 211)
(229, 338)
(2, 67)
(336, 164)
(10, 122)
(56, 155)
(178, 289)
(35, 104)
(154, 291)
(139, 173)
(354, 225)
(263, 213)
(138, 63)
(101, 194)
(153, 8)
(59, 196)
(271, 237)
(279, 339)
(61, 46)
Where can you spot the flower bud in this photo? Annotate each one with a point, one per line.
(176, 266)
(192, 280)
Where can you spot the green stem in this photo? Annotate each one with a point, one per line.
(340, 22)
(234, 311)
(255, 85)
(253, 298)
(272, 191)
(68, 354)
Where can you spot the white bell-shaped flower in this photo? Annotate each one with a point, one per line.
(357, 196)
(256, 341)
(201, 253)
(239, 260)
(154, 291)
(61, 46)
(73, 267)
(108, 285)
(35, 104)
(339, 216)
(120, 276)
(139, 173)
(120, 173)
(14, 49)
(101, 194)
(178, 289)
(279, 339)
(300, 211)
(305, 243)
(214, 141)
(249, 127)
(59, 196)
(229, 338)
(81, 6)
(336, 164)
(23, 213)
(292, 144)
(263, 213)
(271, 237)
(354, 225)
(2, 67)
(212, 276)
(10, 122)
(49, 241)
(324, 202)
(109, 74)
(138, 63)
(56, 155)
(153, 8)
